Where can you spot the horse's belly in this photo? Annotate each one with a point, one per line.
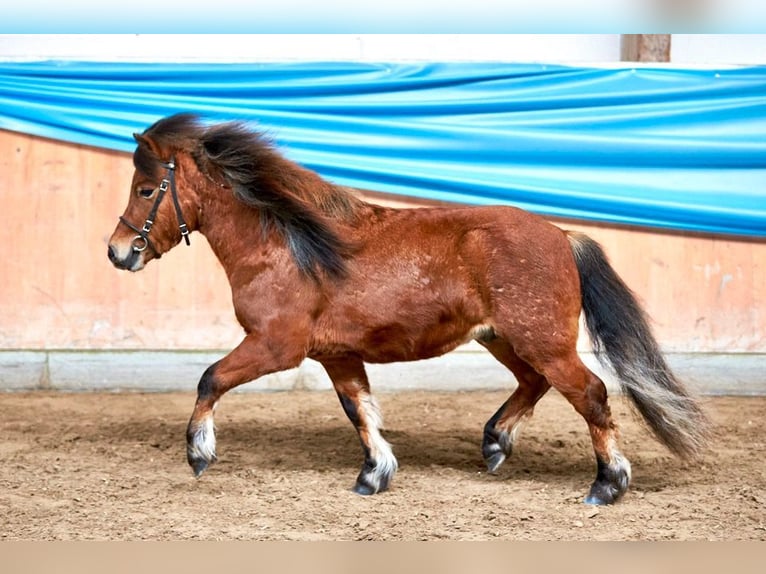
(394, 343)
(405, 316)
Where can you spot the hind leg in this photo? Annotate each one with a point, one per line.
(350, 381)
(501, 430)
(587, 394)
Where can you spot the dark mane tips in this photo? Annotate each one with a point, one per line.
(176, 127)
(289, 198)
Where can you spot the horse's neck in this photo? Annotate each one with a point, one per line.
(235, 233)
(243, 245)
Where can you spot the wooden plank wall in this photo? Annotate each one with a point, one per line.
(60, 203)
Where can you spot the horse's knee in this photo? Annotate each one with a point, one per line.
(207, 387)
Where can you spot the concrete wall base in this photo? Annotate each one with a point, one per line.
(461, 370)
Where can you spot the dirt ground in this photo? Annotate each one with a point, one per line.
(112, 467)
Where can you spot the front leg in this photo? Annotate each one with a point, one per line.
(251, 359)
(350, 381)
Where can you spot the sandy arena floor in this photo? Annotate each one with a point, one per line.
(112, 467)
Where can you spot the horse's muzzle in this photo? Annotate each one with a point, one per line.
(131, 262)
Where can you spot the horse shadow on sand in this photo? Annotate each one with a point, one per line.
(332, 446)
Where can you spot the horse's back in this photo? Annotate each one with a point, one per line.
(501, 247)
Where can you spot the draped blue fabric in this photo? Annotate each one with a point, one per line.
(678, 149)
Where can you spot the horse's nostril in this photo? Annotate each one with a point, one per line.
(112, 254)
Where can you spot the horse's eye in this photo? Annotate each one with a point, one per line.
(146, 192)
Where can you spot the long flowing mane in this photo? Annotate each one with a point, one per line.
(292, 200)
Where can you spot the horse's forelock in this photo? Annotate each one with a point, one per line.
(145, 160)
(160, 140)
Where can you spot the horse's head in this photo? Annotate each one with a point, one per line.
(180, 163)
(161, 206)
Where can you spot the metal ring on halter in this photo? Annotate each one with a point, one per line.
(135, 247)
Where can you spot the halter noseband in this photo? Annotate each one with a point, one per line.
(143, 233)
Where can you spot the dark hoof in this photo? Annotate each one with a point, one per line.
(495, 448)
(370, 482)
(198, 466)
(611, 483)
(495, 461)
(363, 489)
(601, 496)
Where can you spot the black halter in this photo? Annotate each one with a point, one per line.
(143, 233)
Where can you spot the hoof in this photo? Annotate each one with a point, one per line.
(367, 485)
(494, 461)
(496, 448)
(198, 466)
(602, 496)
(611, 483)
(363, 489)
(372, 479)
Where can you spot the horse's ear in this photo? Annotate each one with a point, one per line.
(147, 142)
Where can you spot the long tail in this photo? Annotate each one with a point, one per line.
(620, 334)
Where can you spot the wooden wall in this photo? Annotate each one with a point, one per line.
(60, 203)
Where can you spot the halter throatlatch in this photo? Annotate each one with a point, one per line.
(141, 241)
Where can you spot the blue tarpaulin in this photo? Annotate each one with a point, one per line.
(671, 148)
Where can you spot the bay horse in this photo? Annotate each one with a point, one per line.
(317, 272)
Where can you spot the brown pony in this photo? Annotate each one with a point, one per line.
(316, 272)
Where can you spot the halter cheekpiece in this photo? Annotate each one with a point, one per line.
(141, 241)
